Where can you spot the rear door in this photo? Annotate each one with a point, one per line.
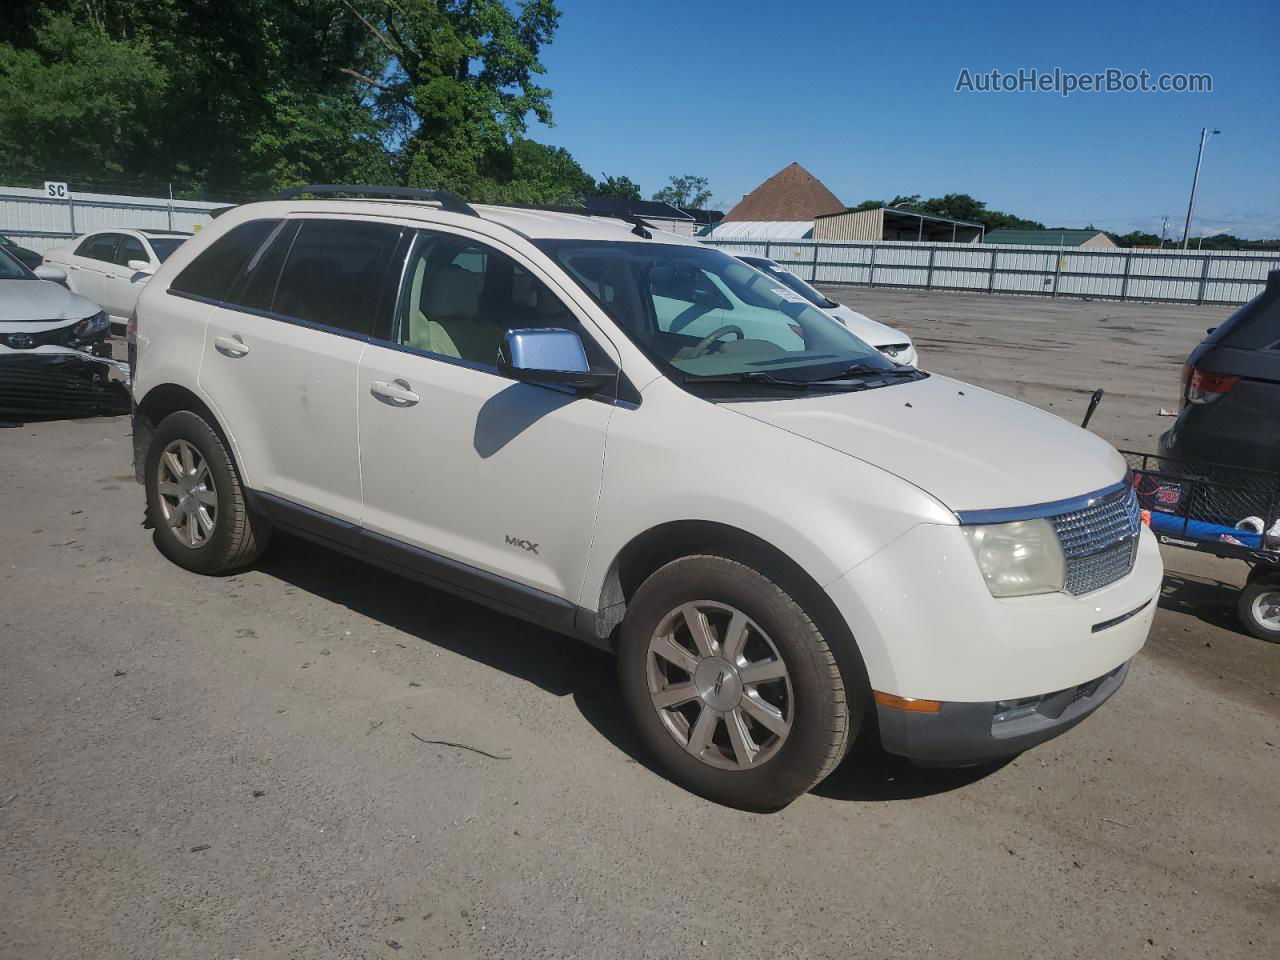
(87, 269)
(281, 356)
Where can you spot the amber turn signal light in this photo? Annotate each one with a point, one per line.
(907, 703)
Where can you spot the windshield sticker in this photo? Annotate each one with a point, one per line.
(789, 295)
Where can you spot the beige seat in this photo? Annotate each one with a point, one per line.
(445, 316)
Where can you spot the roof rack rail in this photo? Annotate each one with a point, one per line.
(641, 229)
(448, 201)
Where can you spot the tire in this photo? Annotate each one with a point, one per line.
(229, 535)
(1259, 609)
(707, 756)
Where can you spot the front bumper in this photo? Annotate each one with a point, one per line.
(963, 734)
(55, 383)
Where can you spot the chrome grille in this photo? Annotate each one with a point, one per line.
(1099, 541)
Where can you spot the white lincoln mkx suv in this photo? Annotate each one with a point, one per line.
(619, 434)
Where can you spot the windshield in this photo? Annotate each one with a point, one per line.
(816, 297)
(11, 268)
(164, 246)
(701, 314)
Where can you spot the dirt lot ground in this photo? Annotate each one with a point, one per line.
(228, 768)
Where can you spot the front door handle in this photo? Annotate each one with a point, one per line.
(396, 393)
(232, 347)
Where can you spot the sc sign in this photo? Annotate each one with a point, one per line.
(55, 190)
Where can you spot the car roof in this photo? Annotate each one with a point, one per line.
(528, 222)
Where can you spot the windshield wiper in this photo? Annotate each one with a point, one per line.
(866, 371)
(767, 379)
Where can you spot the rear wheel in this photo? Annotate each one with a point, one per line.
(195, 501)
(732, 686)
(1259, 609)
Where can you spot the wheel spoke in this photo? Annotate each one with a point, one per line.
(699, 629)
(673, 653)
(206, 497)
(188, 459)
(193, 529)
(172, 464)
(169, 489)
(767, 715)
(675, 695)
(735, 637)
(704, 728)
(761, 671)
(744, 748)
(178, 517)
(204, 520)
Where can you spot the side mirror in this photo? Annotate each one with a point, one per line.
(141, 266)
(548, 356)
(52, 274)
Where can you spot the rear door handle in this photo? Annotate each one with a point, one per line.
(232, 347)
(396, 393)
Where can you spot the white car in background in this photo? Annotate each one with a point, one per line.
(894, 344)
(110, 267)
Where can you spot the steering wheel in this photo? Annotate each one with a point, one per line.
(705, 343)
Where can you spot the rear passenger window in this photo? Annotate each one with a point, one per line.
(256, 287)
(212, 272)
(334, 273)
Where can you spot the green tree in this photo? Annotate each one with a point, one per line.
(233, 95)
(623, 187)
(687, 191)
(75, 101)
(456, 80)
(539, 174)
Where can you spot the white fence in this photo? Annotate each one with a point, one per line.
(1218, 276)
(34, 220)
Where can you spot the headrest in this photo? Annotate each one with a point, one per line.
(452, 292)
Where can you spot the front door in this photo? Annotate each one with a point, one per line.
(121, 283)
(461, 462)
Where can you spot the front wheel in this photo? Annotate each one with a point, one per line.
(1259, 609)
(732, 686)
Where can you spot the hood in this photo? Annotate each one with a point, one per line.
(970, 448)
(42, 300)
(864, 328)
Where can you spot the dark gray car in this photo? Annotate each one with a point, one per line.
(1230, 411)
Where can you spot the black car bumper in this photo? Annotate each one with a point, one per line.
(53, 386)
(963, 734)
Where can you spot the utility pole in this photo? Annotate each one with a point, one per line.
(1164, 229)
(1205, 134)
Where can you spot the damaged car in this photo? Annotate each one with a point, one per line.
(55, 355)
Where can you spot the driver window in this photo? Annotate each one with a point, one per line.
(460, 297)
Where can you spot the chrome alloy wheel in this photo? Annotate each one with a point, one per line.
(187, 494)
(1266, 610)
(719, 685)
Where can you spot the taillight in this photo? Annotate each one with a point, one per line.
(1202, 386)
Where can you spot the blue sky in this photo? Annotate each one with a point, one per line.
(863, 95)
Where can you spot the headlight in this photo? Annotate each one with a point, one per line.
(90, 327)
(1017, 559)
